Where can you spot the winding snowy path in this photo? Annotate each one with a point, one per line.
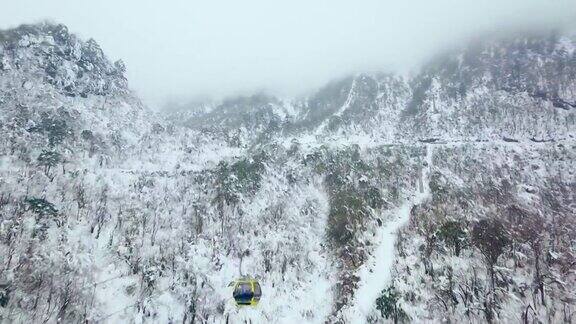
(375, 273)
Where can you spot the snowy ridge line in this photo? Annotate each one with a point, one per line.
(375, 274)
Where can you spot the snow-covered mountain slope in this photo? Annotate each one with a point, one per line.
(378, 198)
(496, 241)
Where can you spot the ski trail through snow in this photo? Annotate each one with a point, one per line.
(375, 273)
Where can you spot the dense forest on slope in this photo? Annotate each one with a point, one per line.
(111, 212)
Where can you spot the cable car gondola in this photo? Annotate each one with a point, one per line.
(247, 292)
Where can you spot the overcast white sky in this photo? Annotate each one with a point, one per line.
(189, 48)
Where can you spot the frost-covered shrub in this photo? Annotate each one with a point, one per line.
(373, 198)
(42, 207)
(54, 127)
(45, 213)
(243, 176)
(389, 306)
(348, 213)
(490, 237)
(49, 159)
(454, 234)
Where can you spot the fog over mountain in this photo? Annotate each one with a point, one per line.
(185, 49)
(315, 163)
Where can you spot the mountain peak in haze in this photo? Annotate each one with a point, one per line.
(76, 67)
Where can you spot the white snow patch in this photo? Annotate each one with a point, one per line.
(375, 273)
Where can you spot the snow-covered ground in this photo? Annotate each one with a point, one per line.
(375, 273)
(144, 220)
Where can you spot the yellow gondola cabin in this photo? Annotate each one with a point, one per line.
(247, 292)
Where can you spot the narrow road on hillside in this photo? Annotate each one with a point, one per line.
(375, 273)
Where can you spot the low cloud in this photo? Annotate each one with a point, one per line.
(217, 48)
